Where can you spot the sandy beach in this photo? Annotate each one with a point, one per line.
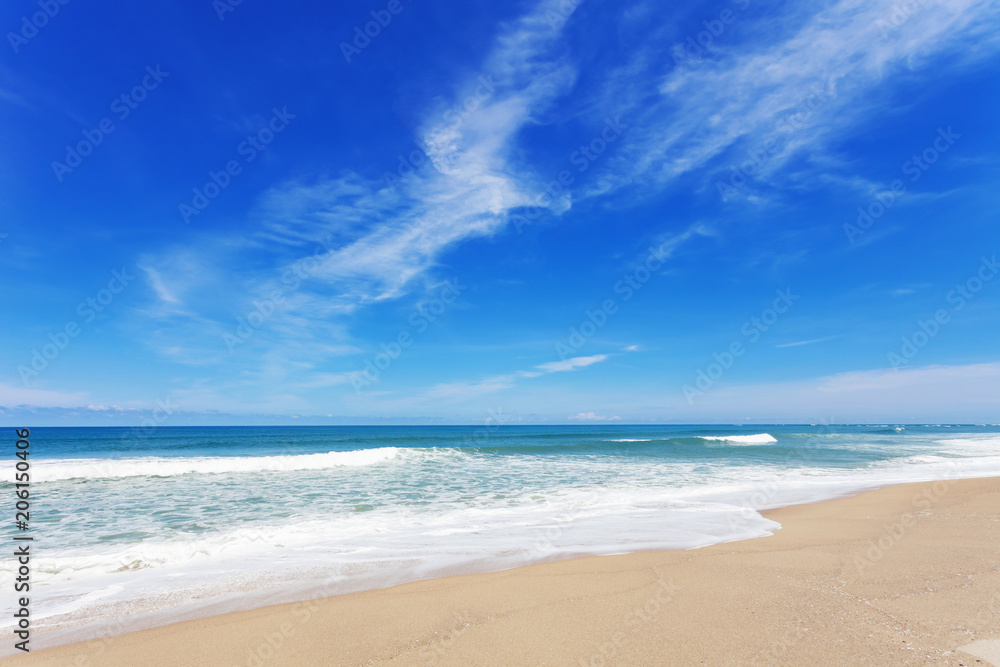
(903, 575)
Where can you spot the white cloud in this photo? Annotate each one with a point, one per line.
(318, 380)
(471, 182)
(594, 417)
(14, 397)
(571, 364)
(799, 84)
(105, 408)
(463, 390)
(377, 241)
(384, 241)
(156, 282)
(501, 382)
(908, 395)
(799, 343)
(927, 380)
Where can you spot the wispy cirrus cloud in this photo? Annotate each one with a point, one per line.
(571, 364)
(156, 282)
(789, 91)
(811, 78)
(814, 75)
(811, 341)
(500, 382)
(473, 178)
(378, 241)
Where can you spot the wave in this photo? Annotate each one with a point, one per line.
(757, 439)
(889, 430)
(927, 458)
(629, 440)
(155, 466)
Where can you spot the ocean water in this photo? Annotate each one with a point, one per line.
(132, 528)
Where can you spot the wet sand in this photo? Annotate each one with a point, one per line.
(903, 575)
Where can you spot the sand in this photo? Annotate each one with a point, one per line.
(902, 575)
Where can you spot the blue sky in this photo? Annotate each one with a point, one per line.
(553, 212)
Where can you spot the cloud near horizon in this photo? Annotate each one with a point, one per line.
(594, 417)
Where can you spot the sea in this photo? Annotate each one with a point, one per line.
(136, 528)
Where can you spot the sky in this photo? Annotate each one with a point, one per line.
(420, 211)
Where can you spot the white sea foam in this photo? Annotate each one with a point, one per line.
(467, 512)
(928, 458)
(400, 543)
(629, 440)
(757, 439)
(985, 445)
(152, 466)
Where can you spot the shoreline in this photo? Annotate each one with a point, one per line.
(903, 574)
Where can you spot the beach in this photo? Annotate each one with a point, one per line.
(902, 575)
(142, 530)
(535, 333)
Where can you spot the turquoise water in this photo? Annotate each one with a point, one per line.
(130, 524)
